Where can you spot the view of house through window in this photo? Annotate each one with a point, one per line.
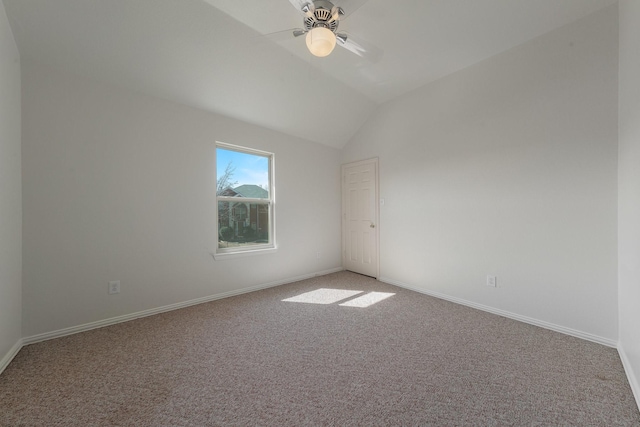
(245, 199)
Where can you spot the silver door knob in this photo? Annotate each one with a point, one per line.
(372, 226)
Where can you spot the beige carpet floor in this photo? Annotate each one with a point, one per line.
(256, 360)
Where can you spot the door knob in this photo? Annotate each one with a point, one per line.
(372, 226)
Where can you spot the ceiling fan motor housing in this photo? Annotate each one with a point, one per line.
(322, 16)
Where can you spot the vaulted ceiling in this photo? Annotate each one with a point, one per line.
(214, 55)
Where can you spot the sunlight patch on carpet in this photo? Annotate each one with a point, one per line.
(367, 300)
(332, 296)
(323, 296)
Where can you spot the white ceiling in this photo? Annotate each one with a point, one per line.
(211, 54)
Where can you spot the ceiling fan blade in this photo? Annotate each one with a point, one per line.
(360, 47)
(305, 7)
(349, 6)
(336, 13)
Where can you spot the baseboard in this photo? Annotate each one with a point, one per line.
(631, 375)
(514, 316)
(145, 313)
(4, 362)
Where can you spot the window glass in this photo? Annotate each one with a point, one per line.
(244, 194)
(250, 172)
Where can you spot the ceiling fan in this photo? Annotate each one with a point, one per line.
(321, 19)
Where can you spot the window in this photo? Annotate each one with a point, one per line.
(245, 199)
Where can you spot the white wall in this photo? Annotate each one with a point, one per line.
(121, 186)
(629, 191)
(509, 168)
(10, 194)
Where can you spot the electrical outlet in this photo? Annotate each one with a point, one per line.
(114, 287)
(492, 281)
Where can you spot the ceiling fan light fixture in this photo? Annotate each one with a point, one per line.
(321, 41)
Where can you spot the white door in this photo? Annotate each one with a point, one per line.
(360, 217)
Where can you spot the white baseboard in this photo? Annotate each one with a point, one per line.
(631, 375)
(145, 313)
(4, 362)
(557, 328)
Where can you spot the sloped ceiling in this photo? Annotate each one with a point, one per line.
(212, 54)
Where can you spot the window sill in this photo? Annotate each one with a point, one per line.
(219, 256)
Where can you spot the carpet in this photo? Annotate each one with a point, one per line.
(312, 353)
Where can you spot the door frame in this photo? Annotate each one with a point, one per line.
(375, 161)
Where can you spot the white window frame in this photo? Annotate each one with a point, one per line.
(241, 251)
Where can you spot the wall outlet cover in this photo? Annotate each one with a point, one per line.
(114, 287)
(492, 281)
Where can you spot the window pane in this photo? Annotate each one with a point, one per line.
(245, 200)
(242, 174)
(242, 224)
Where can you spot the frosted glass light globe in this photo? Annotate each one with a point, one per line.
(321, 41)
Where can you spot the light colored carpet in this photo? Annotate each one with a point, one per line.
(255, 360)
